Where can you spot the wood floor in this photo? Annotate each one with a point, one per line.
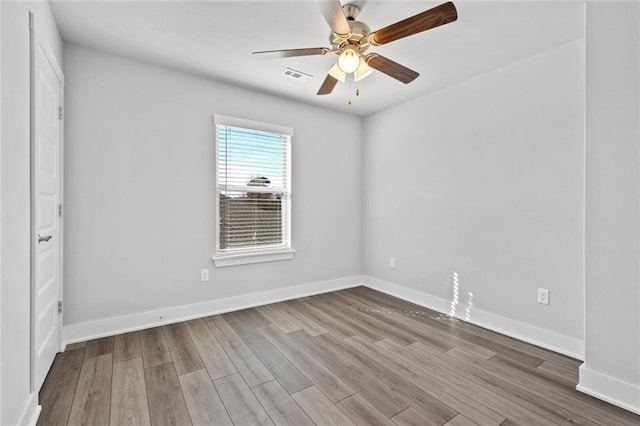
(349, 357)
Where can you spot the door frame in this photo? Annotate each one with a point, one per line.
(34, 42)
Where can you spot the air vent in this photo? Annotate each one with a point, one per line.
(296, 75)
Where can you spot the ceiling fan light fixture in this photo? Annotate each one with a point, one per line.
(349, 60)
(363, 71)
(350, 39)
(337, 73)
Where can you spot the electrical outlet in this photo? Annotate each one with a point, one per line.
(392, 262)
(543, 296)
(204, 275)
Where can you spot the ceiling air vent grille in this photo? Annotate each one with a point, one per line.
(296, 75)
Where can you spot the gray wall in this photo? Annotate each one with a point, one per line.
(612, 192)
(140, 189)
(485, 179)
(1, 318)
(15, 210)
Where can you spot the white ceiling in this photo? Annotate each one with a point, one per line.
(215, 39)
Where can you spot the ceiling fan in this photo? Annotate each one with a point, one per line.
(350, 39)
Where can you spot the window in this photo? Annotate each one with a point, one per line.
(253, 192)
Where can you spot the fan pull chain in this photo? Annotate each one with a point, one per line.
(349, 98)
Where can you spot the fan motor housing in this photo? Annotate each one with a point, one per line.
(359, 36)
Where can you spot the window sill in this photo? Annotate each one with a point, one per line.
(257, 257)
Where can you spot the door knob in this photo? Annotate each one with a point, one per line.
(45, 238)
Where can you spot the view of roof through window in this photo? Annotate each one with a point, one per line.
(250, 158)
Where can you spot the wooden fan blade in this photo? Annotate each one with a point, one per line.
(391, 68)
(333, 14)
(327, 85)
(287, 53)
(439, 15)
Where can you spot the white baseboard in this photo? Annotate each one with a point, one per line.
(610, 389)
(30, 411)
(528, 333)
(110, 326)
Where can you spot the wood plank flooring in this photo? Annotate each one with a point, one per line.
(355, 356)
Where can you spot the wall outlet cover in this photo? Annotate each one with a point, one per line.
(543, 296)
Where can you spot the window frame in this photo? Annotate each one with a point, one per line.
(243, 256)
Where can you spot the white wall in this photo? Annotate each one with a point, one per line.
(140, 195)
(612, 358)
(485, 180)
(14, 157)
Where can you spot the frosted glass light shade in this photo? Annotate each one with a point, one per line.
(337, 73)
(348, 61)
(363, 71)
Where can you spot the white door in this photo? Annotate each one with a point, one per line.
(46, 198)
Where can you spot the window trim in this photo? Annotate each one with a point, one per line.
(255, 256)
(250, 255)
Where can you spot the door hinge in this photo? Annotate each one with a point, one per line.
(60, 210)
(59, 307)
(60, 112)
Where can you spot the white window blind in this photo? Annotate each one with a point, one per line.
(253, 183)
